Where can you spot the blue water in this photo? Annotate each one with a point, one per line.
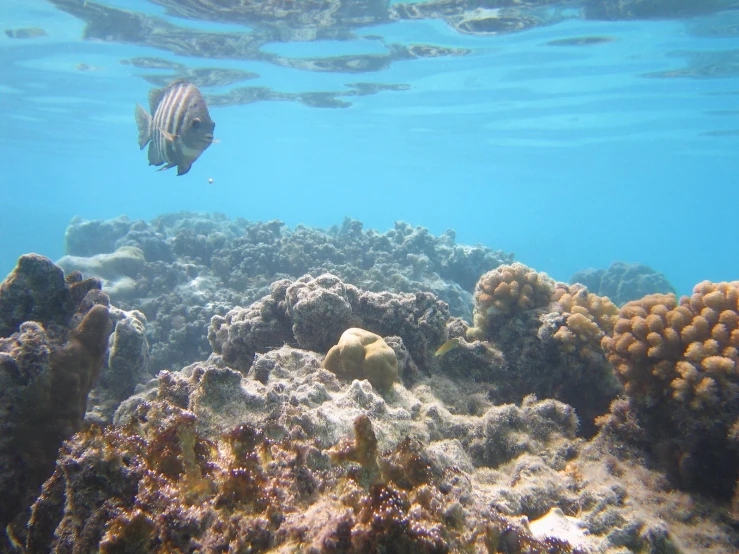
(568, 156)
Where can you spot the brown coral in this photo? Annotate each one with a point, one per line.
(683, 350)
(678, 363)
(507, 290)
(588, 318)
(549, 336)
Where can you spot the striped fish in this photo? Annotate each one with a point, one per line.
(180, 128)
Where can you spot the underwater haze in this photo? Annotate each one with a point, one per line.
(573, 133)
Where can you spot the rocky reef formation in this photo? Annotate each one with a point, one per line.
(331, 418)
(314, 313)
(53, 339)
(208, 459)
(181, 269)
(623, 282)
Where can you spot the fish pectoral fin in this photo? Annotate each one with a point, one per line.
(168, 166)
(169, 136)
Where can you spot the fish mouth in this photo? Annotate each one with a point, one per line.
(208, 138)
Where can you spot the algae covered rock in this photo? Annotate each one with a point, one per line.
(37, 290)
(319, 309)
(53, 338)
(363, 355)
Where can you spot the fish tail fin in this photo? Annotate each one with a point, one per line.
(145, 125)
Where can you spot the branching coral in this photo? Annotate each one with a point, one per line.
(507, 290)
(588, 318)
(686, 352)
(548, 336)
(678, 364)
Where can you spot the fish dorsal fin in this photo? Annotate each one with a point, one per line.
(156, 94)
(155, 98)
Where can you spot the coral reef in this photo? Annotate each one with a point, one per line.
(333, 418)
(87, 238)
(363, 355)
(320, 309)
(506, 291)
(242, 332)
(208, 459)
(37, 290)
(677, 361)
(196, 266)
(532, 335)
(623, 282)
(53, 345)
(588, 318)
(116, 270)
(313, 313)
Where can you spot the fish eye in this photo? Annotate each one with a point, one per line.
(195, 123)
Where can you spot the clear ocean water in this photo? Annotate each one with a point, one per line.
(574, 134)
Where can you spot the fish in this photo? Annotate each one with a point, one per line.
(448, 346)
(179, 128)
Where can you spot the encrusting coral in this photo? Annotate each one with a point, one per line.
(363, 355)
(678, 363)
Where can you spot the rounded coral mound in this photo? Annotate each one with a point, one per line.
(361, 354)
(507, 290)
(678, 364)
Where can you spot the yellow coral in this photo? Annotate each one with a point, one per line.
(706, 392)
(361, 354)
(588, 318)
(729, 318)
(687, 371)
(691, 347)
(583, 326)
(689, 334)
(718, 364)
(507, 290)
